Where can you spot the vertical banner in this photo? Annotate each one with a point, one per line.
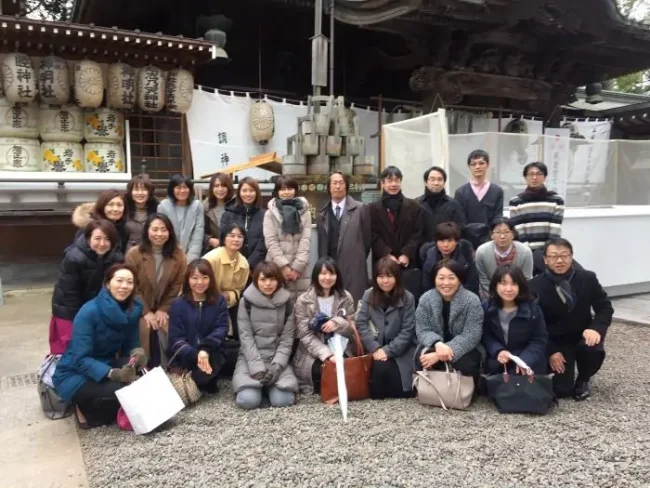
(556, 156)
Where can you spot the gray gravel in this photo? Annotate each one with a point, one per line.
(602, 442)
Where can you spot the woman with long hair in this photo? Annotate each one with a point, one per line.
(266, 332)
(159, 265)
(513, 325)
(110, 205)
(104, 352)
(185, 212)
(326, 308)
(386, 322)
(198, 324)
(220, 193)
(140, 204)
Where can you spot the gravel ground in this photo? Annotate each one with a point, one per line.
(602, 442)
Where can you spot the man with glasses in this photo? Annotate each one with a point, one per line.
(567, 294)
(481, 200)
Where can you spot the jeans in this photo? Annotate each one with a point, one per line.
(251, 398)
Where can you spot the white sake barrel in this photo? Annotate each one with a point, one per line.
(62, 157)
(20, 120)
(61, 124)
(180, 88)
(18, 78)
(121, 89)
(151, 89)
(102, 157)
(262, 121)
(54, 81)
(19, 154)
(103, 125)
(88, 84)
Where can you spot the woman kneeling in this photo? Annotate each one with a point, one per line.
(266, 332)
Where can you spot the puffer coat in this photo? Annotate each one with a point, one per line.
(85, 212)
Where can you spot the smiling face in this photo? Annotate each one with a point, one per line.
(140, 195)
(502, 236)
(478, 168)
(286, 193)
(435, 182)
(446, 283)
(181, 193)
(114, 209)
(386, 282)
(267, 284)
(99, 242)
(391, 185)
(219, 191)
(326, 279)
(558, 258)
(507, 289)
(158, 233)
(199, 283)
(121, 285)
(247, 194)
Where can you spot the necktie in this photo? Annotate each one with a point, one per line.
(337, 212)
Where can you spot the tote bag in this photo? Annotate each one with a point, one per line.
(512, 393)
(446, 389)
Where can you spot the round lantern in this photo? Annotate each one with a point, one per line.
(19, 120)
(88, 84)
(19, 154)
(180, 88)
(63, 124)
(151, 89)
(18, 78)
(104, 158)
(121, 89)
(262, 121)
(53, 81)
(104, 125)
(62, 157)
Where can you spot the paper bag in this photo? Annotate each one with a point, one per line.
(149, 401)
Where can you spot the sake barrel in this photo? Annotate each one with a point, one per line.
(54, 81)
(19, 120)
(151, 89)
(88, 84)
(18, 78)
(62, 157)
(63, 124)
(18, 154)
(363, 166)
(122, 85)
(103, 125)
(262, 122)
(101, 157)
(180, 88)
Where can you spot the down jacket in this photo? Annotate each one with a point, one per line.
(85, 212)
(80, 277)
(265, 337)
(252, 220)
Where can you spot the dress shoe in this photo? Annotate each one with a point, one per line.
(581, 391)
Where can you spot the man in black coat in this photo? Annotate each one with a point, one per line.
(437, 205)
(567, 293)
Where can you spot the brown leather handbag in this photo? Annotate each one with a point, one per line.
(357, 375)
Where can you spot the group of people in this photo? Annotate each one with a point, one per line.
(172, 283)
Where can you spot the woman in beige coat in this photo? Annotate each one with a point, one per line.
(328, 297)
(287, 234)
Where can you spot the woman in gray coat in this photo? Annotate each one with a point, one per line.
(266, 333)
(386, 322)
(449, 323)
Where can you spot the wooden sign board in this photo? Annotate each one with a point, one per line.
(268, 161)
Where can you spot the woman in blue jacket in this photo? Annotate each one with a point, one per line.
(104, 351)
(198, 324)
(513, 324)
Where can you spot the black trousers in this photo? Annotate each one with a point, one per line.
(316, 375)
(386, 381)
(468, 365)
(97, 401)
(208, 382)
(588, 361)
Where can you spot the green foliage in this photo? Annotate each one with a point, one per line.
(638, 10)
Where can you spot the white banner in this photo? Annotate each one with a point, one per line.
(556, 156)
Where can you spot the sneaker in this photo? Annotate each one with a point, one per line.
(581, 390)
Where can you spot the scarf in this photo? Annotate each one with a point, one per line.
(534, 194)
(563, 287)
(290, 211)
(507, 257)
(433, 200)
(392, 202)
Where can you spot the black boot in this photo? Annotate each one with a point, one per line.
(581, 390)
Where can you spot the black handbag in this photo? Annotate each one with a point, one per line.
(521, 393)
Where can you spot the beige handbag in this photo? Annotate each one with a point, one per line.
(446, 389)
(182, 381)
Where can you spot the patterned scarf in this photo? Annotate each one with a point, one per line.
(563, 287)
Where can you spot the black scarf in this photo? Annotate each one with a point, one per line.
(392, 202)
(563, 287)
(433, 200)
(290, 211)
(534, 194)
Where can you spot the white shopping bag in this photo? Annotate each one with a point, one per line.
(337, 344)
(149, 401)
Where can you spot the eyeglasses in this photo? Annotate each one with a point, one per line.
(237, 237)
(502, 233)
(534, 175)
(553, 258)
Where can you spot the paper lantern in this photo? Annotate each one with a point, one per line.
(54, 81)
(104, 125)
(19, 120)
(104, 158)
(62, 157)
(122, 84)
(262, 122)
(65, 124)
(88, 84)
(19, 154)
(180, 88)
(151, 89)
(18, 78)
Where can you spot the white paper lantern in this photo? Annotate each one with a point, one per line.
(88, 84)
(18, 78)
(62, 157)
(104, 125)
(180, 88)
(151, 89)
(262, 121)
(104, 158)
(20, 120)
(122, 84)
(19, 154)
(64, 124)
(53, 81)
